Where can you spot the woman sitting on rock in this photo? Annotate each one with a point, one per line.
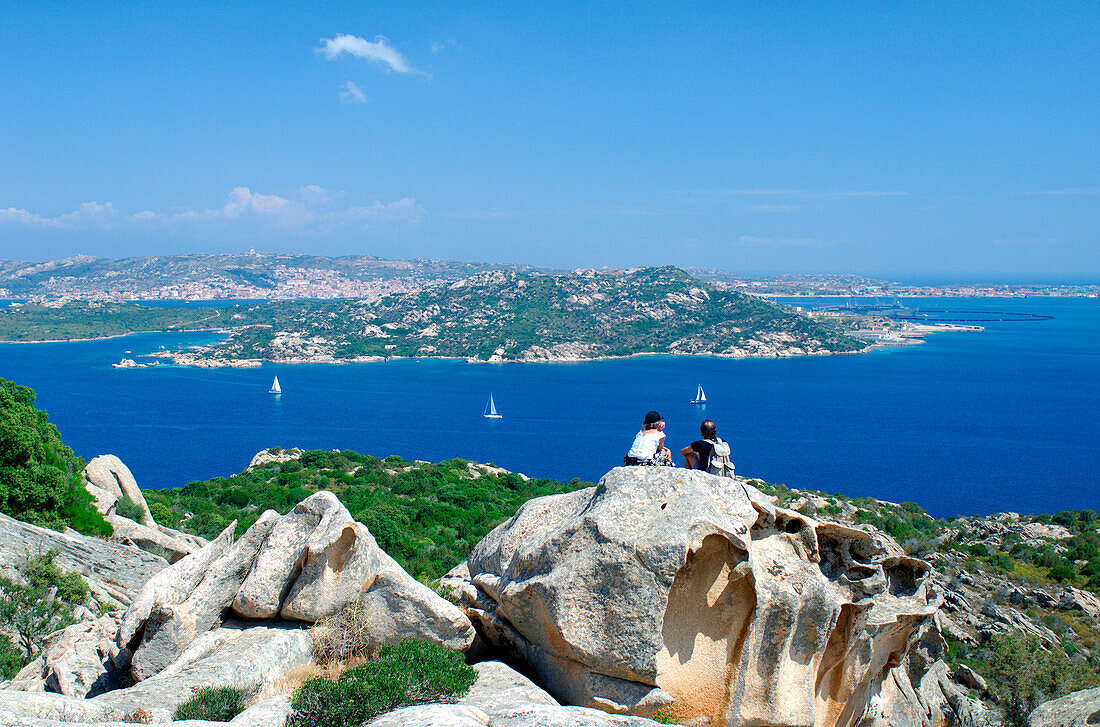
(649, 445)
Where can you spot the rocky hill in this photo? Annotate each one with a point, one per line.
(83, 275)
(506, 315)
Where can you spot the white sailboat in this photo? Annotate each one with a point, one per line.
(491, 409)
(275, 388)
(700, 397)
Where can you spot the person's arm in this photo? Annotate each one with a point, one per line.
(687, 450)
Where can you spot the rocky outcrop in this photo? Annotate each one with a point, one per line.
(115, 572)
(1079, 709)
(172, 544)
(108, 479)
(675, 590)
(81, 660)
(302, 566)
(236, 655)
(275, 454)
(502, 697)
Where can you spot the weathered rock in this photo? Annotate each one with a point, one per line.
(341, 560)
(79, 661)
(115, 573)
(266, 456)
(403, 608)
(664, 586)
(172, 585)
(170, 628)
(246, 655)
(1074, 599)
(107, 474)
(1079, 709)
(502, 697)
(277, 567)
(969, 678)
(153, 539)
(315, 560)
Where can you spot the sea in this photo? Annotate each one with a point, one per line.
(965, 423)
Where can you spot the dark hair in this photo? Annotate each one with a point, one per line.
(707, 429)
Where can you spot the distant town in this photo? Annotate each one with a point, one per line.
(268, 276)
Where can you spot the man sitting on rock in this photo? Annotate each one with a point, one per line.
(709, 454)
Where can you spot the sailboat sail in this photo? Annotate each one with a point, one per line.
(700, 397)
(275, 388)
(491, 409)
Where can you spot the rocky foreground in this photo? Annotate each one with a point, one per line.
(659, 593)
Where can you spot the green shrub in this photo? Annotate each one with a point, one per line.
(42, 572)
(40, 476)
(11, 659)
(163, 515)
(127, 508)
(215, 704)
(1023, 674)
(413, 672)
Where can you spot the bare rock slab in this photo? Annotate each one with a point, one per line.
(115, 572)
(1079, 709)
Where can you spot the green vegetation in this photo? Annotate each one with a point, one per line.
(11, 658)
(27, 609)
(39, 476)
(427, 516)
(125, 507)
(1022, 672)
(80, 319)
(413, 672)
(215, 704)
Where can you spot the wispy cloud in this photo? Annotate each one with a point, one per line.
(1070, 191)
(310, 210)
(379, 50)
(350, 93)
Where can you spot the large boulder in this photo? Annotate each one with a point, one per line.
(678, 591)
(81, 660)
(1079, 709)
(115, 572)
(108, 479)
(166, 542)
(502, 697)
(302, 566)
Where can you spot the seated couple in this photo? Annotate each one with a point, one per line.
(710, 454)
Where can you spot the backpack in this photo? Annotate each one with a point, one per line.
(719, 463)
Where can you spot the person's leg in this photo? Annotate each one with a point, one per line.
(691, 461)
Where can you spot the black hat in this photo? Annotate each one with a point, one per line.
(652, 417)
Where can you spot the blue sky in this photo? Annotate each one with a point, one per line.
(903, 139)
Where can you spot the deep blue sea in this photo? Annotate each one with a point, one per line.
(1007, 419)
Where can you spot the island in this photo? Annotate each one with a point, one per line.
(492, 315)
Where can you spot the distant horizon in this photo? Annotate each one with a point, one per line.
(915, 279)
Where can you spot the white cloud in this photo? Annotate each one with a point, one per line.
(89, 215)
(350, 93)
(309, 211)
(379, 50)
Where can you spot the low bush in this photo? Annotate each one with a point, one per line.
(11, 658)
(127, 508)
(215, 704)
(1024, 674)
(413, 672)
(344, 635)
